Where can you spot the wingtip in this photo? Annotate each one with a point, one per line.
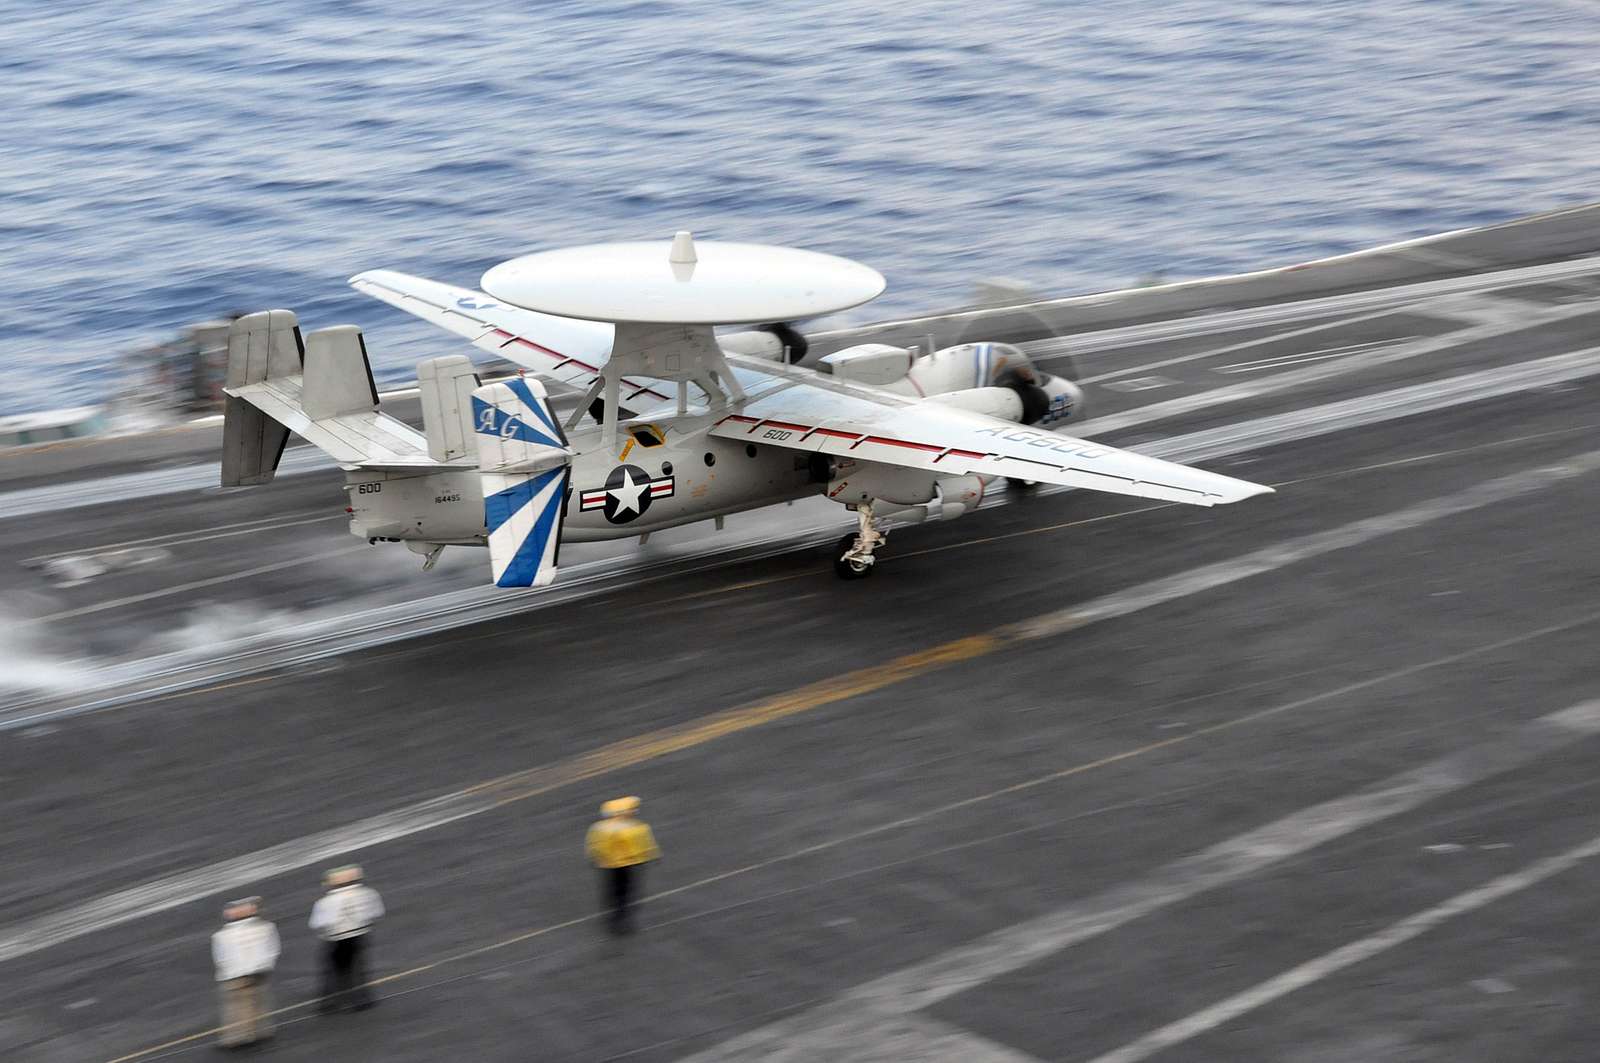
(1242, 490)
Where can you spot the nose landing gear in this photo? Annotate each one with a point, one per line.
(856, 552)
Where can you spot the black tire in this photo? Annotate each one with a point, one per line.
(846, 569)
(1021, 486)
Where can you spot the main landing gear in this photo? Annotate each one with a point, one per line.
(855, 558)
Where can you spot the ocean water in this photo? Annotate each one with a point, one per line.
(165, 162)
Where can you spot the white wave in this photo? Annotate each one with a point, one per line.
(29, 665)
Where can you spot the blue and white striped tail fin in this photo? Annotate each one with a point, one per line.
(525, 464)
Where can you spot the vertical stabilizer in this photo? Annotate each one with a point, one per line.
(252, 445)
(262, 345)
(525, 463)
(338, 377)
(447, 385)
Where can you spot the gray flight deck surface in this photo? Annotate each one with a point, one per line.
(1079, 777)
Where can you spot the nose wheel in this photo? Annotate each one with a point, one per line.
(857, 553)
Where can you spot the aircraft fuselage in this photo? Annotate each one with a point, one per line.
(662, 472)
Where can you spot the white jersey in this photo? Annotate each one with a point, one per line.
(346, 912)
(246, 947)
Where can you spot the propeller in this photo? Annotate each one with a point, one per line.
(1024, 325)
(1025, 382)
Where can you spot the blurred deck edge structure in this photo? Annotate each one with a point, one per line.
(1566, 233)
(1540, 238)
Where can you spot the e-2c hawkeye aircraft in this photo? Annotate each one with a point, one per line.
(676, 424)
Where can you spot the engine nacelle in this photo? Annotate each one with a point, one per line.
(865, 481)
(971, 369)
(967, 365)
(1048, 402)
(1004, 403)
(775, 343)
(1063, 401)
(874, 364)
(752, 344)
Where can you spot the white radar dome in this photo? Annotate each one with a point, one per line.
(682, 282)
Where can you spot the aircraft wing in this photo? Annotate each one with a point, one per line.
(943, 439)
(558, 349)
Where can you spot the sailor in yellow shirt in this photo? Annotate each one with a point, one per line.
(618, 844)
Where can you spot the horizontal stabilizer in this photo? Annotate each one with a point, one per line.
(330, 402)
(372, 439)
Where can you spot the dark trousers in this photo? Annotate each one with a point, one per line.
(617, 887)
(344, 974)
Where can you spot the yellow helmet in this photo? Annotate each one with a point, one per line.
(620, 806)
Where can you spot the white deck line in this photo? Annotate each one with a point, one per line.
(1293, 378)
(1394, 298)
(848, 1027)
(1226, 285)
(1364, 410)
(1356, 952)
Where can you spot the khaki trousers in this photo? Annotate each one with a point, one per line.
(245, 1004)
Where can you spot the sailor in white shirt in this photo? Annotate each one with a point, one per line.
(244, 951)
(343, 918)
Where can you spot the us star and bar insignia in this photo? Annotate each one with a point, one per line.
(627, 494)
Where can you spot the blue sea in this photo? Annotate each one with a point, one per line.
(166, 162)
